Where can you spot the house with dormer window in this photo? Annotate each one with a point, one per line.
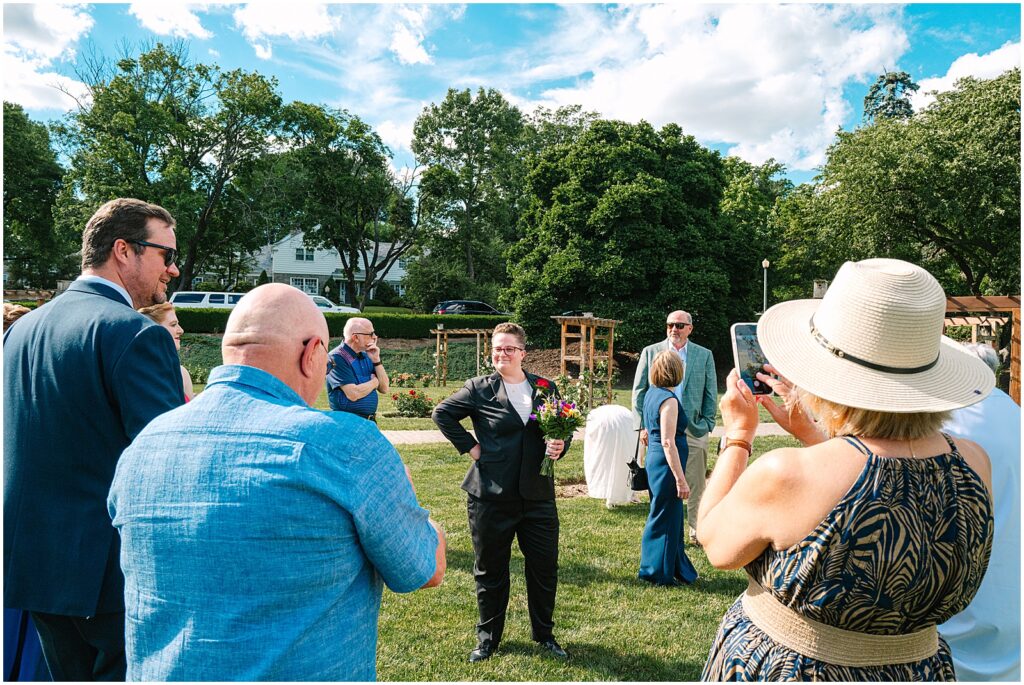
(310, 270)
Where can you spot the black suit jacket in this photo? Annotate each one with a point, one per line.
(510, 453)
(83, 374)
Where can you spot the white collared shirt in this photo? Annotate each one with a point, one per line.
(678, 390)
(93, 278)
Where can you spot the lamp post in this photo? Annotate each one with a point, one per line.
(764, 307)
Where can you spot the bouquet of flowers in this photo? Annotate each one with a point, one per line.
(558, 420)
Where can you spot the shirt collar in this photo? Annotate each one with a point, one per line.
(672, 347)
(256, 378)
(357, 355)
(92, 278)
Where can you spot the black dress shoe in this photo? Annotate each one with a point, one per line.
(483, 651)
(554, 649)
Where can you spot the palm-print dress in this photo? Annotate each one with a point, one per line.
(904, 549)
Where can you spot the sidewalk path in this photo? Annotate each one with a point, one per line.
(421, 437)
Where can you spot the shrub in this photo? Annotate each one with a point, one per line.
(208, 286)
(387, 325)
(413, 404)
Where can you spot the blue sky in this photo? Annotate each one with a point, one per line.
(754, 80)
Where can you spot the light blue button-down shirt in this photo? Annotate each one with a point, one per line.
(678, 390)
(256, 534)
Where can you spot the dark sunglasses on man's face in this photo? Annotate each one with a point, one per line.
(170, 253)
(677, 325)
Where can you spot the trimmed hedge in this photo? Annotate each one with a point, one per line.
(387, 325)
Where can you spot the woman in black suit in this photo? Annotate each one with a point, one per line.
(507, 496)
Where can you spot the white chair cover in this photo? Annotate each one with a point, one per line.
(609, 442)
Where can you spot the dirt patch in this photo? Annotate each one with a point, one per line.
(543, 362)
(571, 490)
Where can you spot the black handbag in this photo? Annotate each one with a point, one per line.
(637, 474)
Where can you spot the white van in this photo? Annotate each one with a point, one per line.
(192, 299)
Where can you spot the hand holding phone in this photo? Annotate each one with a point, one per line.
(748, 358)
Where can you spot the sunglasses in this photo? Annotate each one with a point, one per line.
(676, 325)
(372, 334)
(170, 253)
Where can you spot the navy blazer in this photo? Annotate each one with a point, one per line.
(511, 454)
(83, 374)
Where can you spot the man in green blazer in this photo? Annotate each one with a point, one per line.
(698, 393)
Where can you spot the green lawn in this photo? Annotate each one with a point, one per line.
(614, 626)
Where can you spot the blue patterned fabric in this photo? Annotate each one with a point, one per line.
(256, 534)
(350, 368)
(904, 549)
(663, 559)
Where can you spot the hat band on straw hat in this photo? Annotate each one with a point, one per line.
(823, 341)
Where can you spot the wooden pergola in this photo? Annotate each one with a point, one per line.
(960, 308)
(588, 330)
(483, 348)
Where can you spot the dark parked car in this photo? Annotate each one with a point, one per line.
(467, 307)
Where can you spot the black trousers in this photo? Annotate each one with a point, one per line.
(493, 524)
(79, 648)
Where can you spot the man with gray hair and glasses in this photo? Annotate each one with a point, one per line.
(985, 637)
(357, 371)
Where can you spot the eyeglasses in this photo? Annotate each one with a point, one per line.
(330, 362)
(677, 325)
(506, 350)
(372, 334)
(170, 253)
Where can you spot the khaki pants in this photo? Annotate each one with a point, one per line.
(696, 468)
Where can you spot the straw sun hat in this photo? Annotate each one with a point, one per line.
(875, 342)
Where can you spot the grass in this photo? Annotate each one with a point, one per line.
(614, 626)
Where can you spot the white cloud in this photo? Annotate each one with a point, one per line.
(35, 36)
(765, 79)
(397, 135)
(984, 66)
(407, 36)
(295, 21)
(31, 84)
(45, 31)
(170, 19)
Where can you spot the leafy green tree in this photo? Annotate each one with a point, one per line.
(941, 189)
(34, 252)
(469, 148)
(345, 196)
(623, 222)
(748, 209)
(889, 97)
(166, 130)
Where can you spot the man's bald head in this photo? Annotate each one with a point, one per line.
(267, 330)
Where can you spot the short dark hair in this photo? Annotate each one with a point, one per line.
(123, 218)
(512, 329)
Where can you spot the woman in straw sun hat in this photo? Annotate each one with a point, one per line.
(857, 545)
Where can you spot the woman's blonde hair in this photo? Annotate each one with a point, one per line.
(666, 370)
(157, 312)
(837, 419)
(511, 329)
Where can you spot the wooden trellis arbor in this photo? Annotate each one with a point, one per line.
(483, 348)
(962, 307)
(588, 330)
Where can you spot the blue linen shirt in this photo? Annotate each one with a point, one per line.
(256, 533)
(350, 367)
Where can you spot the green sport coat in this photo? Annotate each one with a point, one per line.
(700, 386)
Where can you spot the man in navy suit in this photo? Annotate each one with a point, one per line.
(82, 376)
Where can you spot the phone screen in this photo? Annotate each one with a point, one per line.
(748, 357)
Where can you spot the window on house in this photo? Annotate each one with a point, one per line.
(307, 285)
(303, 254)
(403, 263)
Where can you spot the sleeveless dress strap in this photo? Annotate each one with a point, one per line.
(860, 446)
(952, 445)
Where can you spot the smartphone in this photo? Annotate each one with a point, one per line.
(748, 357)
